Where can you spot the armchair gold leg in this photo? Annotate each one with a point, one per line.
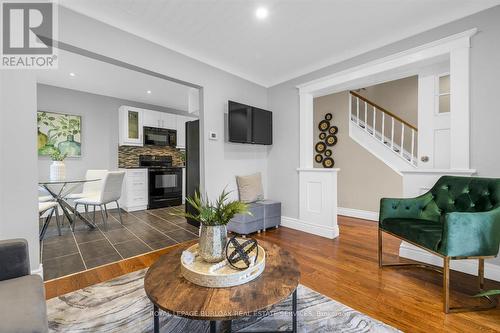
(379, 248)
(492, 301)
(480, 274)
(446, 284)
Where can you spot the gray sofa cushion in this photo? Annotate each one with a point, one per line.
(14, 259)
(22, 305)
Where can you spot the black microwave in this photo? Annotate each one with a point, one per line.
(154, 136)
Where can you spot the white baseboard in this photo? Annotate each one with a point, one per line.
(311, 228)
(38, 271)
(467, 266)
(358, 213)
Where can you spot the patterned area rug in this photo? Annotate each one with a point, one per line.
(120, 305)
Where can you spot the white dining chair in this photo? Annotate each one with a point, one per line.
(90, 189)
(50, 207)
(111, 192)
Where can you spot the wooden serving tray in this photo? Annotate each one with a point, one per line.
(199, 271)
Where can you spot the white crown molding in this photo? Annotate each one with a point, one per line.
(266, 82)
(419, 53)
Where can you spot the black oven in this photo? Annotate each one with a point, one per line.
(154, 136)
(164, 181)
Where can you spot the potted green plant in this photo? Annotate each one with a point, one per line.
(57, 168)
(213, 218)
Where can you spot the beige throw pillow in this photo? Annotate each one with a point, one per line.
(250, 187)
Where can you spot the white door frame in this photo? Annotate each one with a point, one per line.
(399, 65)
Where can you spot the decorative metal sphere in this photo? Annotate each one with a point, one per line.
(238, 254)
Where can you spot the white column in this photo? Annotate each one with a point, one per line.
(317, 202)
(306, 130)
(459, 106)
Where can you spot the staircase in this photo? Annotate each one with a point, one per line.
(387, 136)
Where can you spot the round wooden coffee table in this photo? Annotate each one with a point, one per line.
(170, 292)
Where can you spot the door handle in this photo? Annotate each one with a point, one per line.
(424, 159)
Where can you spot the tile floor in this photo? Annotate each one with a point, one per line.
(142, 232)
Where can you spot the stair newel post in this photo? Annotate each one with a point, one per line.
(402, 139)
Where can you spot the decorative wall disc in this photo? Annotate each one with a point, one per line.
(320, 147)
(322, 136)
(333, 130)
(328, 162)
(328, 152)
(318, 158)
(328, 116)
(324, 125)
(331, 140)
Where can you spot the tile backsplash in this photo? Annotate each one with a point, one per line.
(128, 156)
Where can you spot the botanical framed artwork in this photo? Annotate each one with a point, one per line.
(59, 132)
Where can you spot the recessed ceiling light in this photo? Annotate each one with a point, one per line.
(149, 91)
(72, 74)
(261, 13)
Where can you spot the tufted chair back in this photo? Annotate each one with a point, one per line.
(466, 194)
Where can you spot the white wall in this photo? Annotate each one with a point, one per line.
(485, 80)
(18, 160)
(222, 161)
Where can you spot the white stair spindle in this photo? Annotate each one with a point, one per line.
(392, 133)
(402, 139)
(374, 119)
(382, 137)
(357, 109)
(366, 116)
(412, 144)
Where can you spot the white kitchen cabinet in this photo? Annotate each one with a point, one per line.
(151, 118)
(168, 120)
(135, 190)
(130, 126)
(159, 119)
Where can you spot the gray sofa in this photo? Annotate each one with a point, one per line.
(265, 214)
(22, 296)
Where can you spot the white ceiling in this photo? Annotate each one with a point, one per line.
(298, 36)
(101, 78)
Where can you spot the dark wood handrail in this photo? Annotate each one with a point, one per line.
(383, 110)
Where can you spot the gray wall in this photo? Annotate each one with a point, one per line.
(485, 82)
(99, 128)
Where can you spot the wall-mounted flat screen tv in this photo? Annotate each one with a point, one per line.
(248, 124)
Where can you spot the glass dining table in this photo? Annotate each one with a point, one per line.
(60, 189)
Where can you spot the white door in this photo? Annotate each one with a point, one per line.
(434, 121)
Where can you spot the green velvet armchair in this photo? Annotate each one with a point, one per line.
(459, 218)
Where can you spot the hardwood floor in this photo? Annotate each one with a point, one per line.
(346, 270)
